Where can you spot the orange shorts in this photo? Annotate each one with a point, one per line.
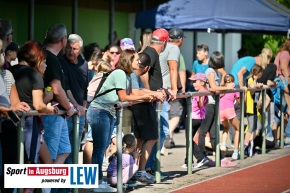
(227, 114)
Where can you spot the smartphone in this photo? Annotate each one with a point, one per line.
(14, 117)
(55, 104)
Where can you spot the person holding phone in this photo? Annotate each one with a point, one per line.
(30, 86)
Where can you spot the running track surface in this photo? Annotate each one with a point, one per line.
(269, 177)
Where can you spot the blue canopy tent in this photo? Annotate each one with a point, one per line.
(262, 16)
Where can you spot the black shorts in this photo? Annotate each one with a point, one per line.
(145, 121)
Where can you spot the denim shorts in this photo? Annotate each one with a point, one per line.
(56, 135)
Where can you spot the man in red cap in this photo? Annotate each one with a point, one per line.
(144, 114)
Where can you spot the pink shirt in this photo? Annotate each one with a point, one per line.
(281, 55)
(228, 100)
(198, 112)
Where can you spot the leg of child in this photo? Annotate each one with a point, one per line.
(235, 123)
(127, 173)
(251, 126)
(88, 151)
(224, 136)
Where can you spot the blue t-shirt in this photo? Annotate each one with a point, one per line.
(136, 81)
(248, 62)
(276, 91)
(198, 67)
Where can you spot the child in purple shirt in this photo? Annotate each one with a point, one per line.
(228, 115)
(130, 156)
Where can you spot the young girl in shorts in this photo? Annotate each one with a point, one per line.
(228, 115)
(252, 98)
(130, 158)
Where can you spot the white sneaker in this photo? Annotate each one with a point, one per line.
(235, 156)
(185, 166)
(104, 187)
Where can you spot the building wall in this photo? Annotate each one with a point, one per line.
(93, 25)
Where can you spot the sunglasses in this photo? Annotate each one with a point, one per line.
(115, 53)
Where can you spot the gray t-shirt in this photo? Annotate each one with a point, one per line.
(217, 82)
(4, 99)
(171, 52)
(117, 79)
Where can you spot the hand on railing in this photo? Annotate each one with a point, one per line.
(148, 97)
(81, 110)
(20, 106)
(245, 88)
(52, 108)
(70, 112)
(160, 96)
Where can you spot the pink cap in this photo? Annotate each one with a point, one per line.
(198, 76)
(127, 43)
(160, 34)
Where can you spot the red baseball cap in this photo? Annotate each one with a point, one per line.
(160, 34)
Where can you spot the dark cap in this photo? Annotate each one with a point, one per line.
(176, 33)
(13, 47)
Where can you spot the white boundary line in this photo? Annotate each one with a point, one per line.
(287, 191)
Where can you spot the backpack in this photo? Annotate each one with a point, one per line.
(96, 84)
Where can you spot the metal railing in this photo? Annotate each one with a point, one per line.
(119, 110)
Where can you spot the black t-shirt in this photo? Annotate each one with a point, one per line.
(269, 73)
(26, 80)
(155, 76)
(77, 77)
(53, 70)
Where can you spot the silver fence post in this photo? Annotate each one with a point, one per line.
(189, 135)
(119, 149)
(217, 129)
(242, 125)
(263, 121)
(158, 146)
(20, 144)
(282, 126)
(75, 150)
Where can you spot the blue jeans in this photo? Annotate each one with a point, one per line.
(56, 135)
(102, 124)
(164, 133)
(70, 131)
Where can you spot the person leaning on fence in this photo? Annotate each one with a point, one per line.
(281, 85)
(252, 97)
(216, 62)
(55, 126)
(130, 157)
(76, 72)
(141, 129)
(151, 80)
(197, 115)
(101, 114)
(8, 148)
(228, 115)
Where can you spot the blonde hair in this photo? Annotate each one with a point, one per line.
(102, 66)
(145, 40)
(266, 56)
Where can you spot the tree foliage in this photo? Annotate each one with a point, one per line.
(256, 42)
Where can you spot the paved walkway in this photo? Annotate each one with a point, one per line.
(179, 177)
